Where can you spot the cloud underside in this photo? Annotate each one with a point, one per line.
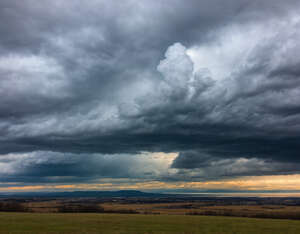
(87, 89)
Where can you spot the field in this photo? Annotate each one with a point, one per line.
(255, 208)
(202, 208)
(133, 223)
(172, 214)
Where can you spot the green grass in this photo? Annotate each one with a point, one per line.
(122, 223)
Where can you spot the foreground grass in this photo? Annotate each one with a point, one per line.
(121, 223)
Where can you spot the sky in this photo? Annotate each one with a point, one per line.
(148, 95)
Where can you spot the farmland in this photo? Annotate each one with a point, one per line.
(279, 208)
(276, 208)
(172, 214)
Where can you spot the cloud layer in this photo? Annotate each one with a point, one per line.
(87, 88)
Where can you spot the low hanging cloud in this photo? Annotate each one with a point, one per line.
(199, 165)
(220, 81)
(47, 166)
(52, 167)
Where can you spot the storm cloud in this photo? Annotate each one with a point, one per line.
(87, 88)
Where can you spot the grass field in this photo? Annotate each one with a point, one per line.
(278, 211)
(198, 208)
(122, 223)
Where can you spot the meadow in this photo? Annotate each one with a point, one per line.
(256, 209)
(11, 222)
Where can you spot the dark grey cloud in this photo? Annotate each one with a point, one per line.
(52, 167)
(198, 165)
(221, 80)
(47, 166)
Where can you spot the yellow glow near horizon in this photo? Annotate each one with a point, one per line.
(277, 182)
